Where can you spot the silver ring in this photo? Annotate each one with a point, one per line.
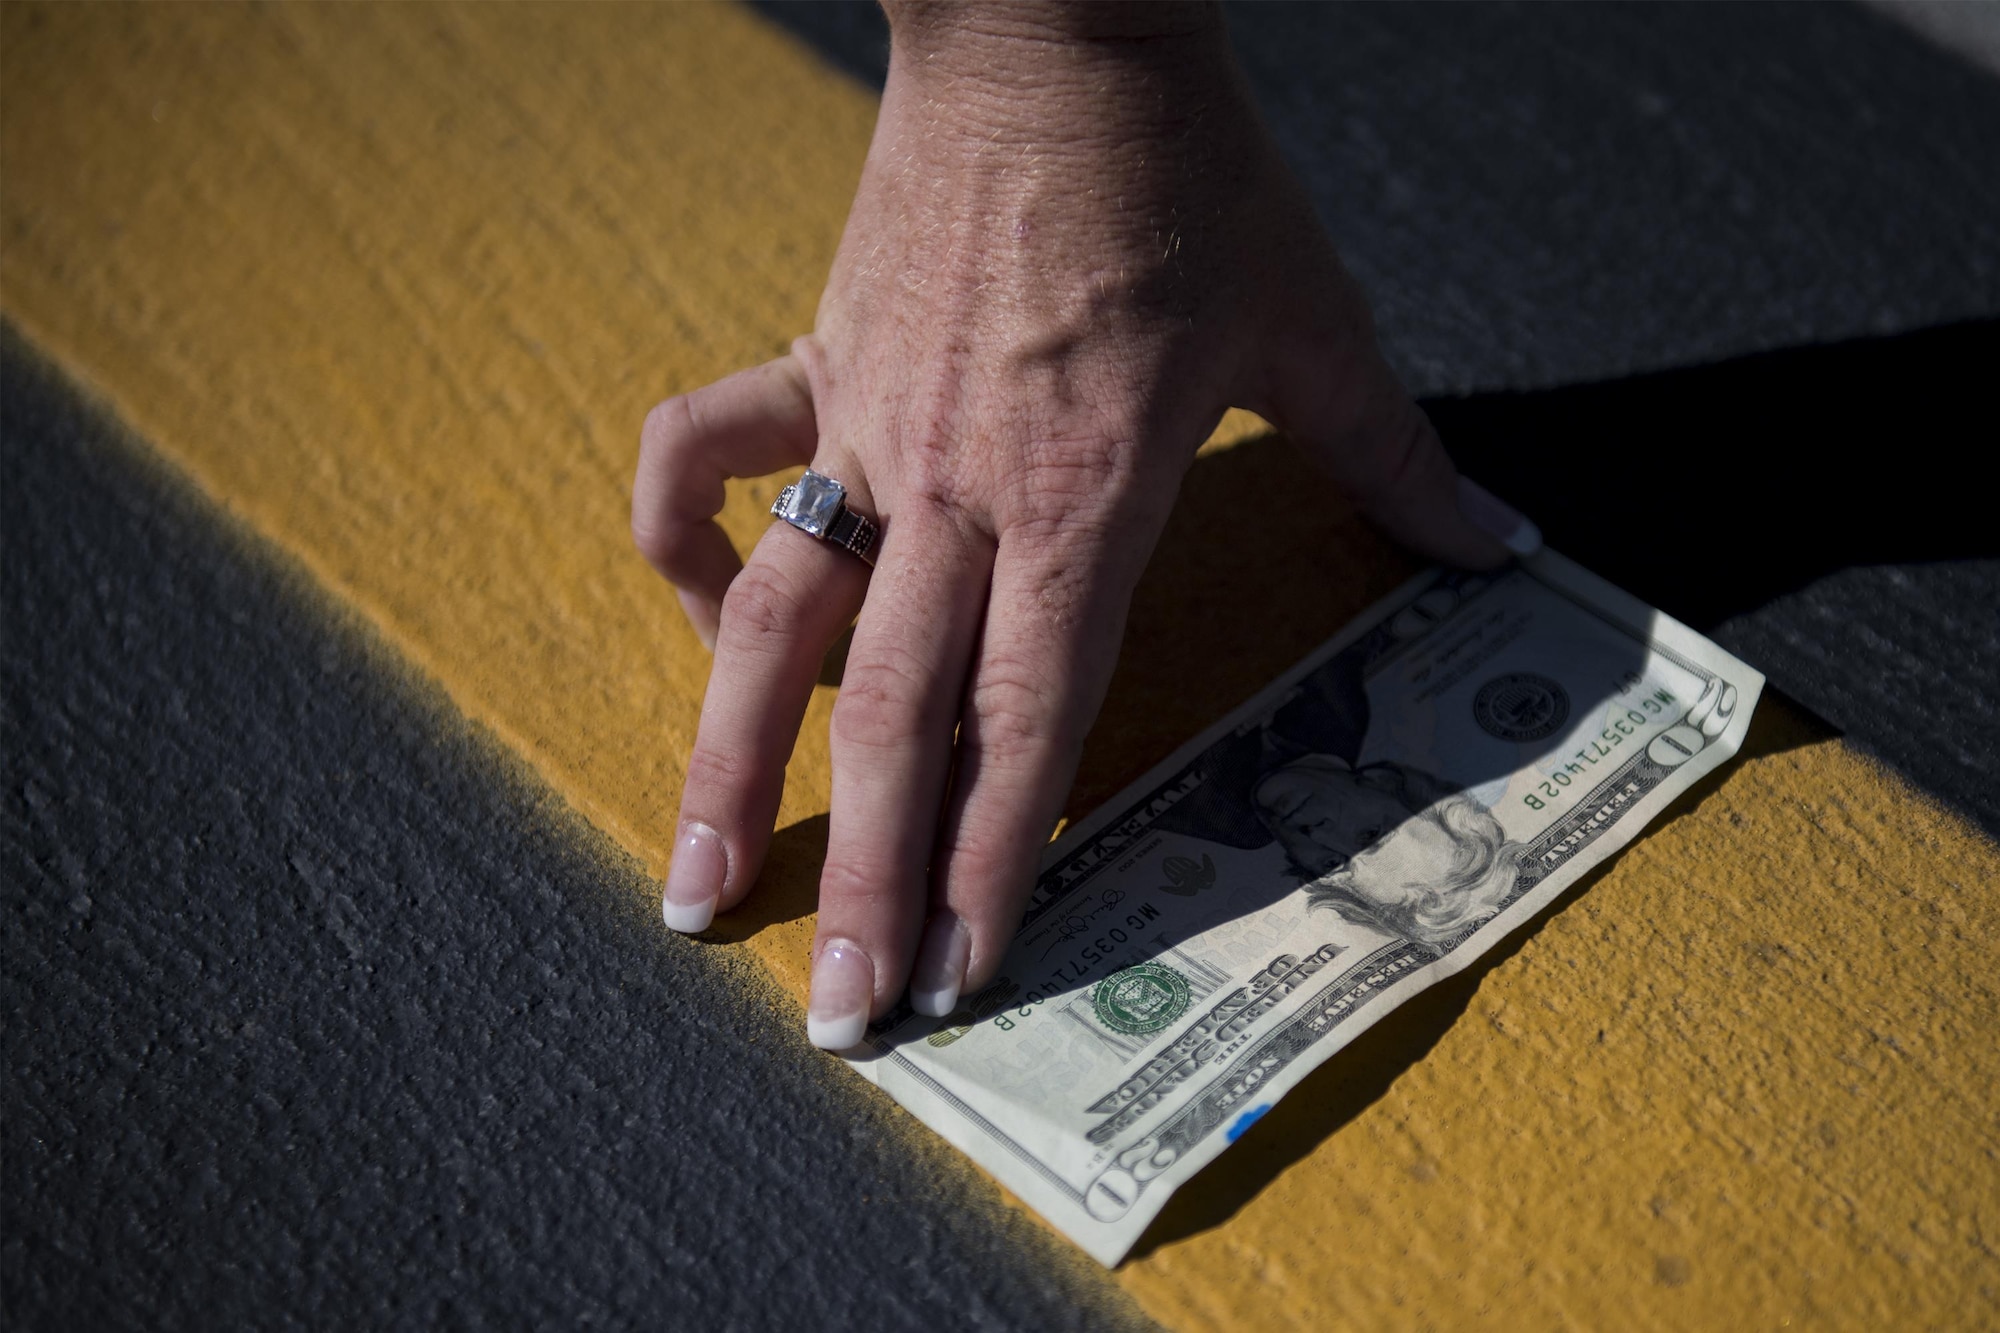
(817, 506)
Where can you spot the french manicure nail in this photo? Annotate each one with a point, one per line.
(941, 963)
(694, 880)
(702, 616)
(1489, 513)
(843, 991)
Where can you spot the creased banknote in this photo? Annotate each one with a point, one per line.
(1373, 821)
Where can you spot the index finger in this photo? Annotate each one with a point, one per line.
(745, 425)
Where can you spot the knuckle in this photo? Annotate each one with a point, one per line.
(761, 607)
(1079, 468)
(667, 426)
(843, 881)
(1013, 713)
(1068, 498)
(884, 703)
(671, 498)
(715, 776)
(661, 537)
(669, 544)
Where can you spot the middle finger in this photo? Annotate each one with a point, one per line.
(892, 736)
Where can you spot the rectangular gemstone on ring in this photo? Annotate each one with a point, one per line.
(814, 503)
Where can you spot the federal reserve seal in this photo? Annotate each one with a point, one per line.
(1520, 707)
(1141, 1000)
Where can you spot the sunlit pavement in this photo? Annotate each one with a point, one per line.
(341, 730)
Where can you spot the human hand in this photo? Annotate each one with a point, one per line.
(1073, 247)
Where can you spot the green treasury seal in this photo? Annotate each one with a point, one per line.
(1141, 1000)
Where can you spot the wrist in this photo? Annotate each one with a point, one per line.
(934, 25)
(1037, 69)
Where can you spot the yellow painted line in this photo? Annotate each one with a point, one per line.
(395, 285)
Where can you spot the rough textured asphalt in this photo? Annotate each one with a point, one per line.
(314, 1015)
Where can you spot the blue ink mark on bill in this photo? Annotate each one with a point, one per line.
(1244, 1121)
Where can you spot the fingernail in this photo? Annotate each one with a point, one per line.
(694, 880)
(1489, 513)
(703, 616)
(941, 963)
(843, 991)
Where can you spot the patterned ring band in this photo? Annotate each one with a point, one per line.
(817, 506)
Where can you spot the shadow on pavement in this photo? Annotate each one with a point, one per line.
(1711, 490)
(1707, 492)
(786, 889)
(321, 1009)
(1355, 1078)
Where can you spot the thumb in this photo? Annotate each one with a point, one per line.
(1346, 408)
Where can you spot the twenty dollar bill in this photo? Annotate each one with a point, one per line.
(1372, 822)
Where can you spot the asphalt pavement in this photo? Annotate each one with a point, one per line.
(319, 1013)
